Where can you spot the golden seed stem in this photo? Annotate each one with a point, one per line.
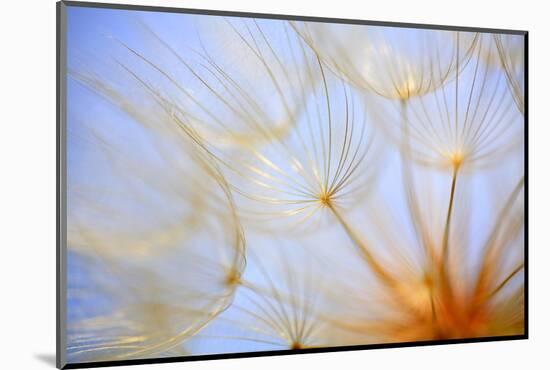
(376, 267)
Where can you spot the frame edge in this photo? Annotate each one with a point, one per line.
(61, 227)
(290, 17)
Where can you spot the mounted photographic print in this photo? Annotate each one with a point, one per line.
(234, 184)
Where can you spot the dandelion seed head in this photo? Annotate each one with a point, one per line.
(232, 277)
(325, 198)
(408, 87)
(417, 293)
(456, 157)
(264, 128)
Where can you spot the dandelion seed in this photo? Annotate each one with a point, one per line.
(277, 306)
(467, 122)
(161, 281)
(511, 54)
(396, 63)
(274, 125)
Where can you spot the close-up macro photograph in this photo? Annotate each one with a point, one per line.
(240, 185)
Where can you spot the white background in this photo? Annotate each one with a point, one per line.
(27, 196)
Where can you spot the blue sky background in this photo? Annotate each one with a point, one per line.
(89, 34)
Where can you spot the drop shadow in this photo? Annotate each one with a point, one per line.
(48, 358)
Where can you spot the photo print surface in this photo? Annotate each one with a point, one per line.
(244, 185)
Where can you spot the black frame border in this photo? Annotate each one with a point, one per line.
(61, 194)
